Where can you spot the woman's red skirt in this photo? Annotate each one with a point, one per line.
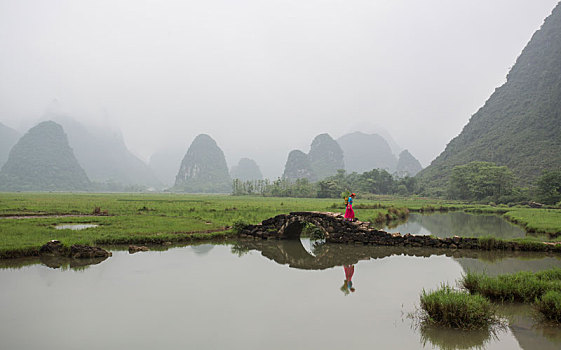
(349, 213)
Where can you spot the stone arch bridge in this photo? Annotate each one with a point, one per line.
(289, 226)
(338, 230)
(335, 229)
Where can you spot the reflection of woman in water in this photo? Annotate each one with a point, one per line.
(348, 283)
(349, 212)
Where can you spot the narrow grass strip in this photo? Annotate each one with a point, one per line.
(523, 286)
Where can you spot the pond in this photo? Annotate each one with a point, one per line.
(459, 224)
(253, 294)
(75, 227)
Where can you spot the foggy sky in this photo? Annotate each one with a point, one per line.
(261, 77)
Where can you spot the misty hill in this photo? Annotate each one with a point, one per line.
(246, 170)
(8, 138)
(42, 160)
(520, 124)
(326, 156)
(203, 168)
(364, 152)
(104, 155)
(165, 164)
(298, 166)
(369, 128)
(396, 149)
(407, 165)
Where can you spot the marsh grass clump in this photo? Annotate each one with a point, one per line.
(532, 246)
(239, 225)
(523, 286)
(455, 309)
(526, 244)
(397, 213)
(427, 209)
(550, 306)
(488, 243)
(392, 215)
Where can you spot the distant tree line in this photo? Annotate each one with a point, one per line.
(488, 182)
(376, 181)
(483, 182)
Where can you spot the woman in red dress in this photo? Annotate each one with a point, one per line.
(349, 212)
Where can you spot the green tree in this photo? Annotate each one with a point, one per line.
(328, 189)
(480, 180)
(549, 187)
(377, 181)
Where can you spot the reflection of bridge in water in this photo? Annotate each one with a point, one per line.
(293, 254)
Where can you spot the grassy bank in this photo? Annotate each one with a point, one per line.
(547, 221)
(523, 286)
(543, 289)
(157, 218)
(528, 244)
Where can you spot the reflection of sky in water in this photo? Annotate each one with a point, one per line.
(75, 226)
(310, 244)
(218, 300)
(202, 249)
(411, 226)
(459, 223)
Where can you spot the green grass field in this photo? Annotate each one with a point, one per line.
(537, 220)
(135, 218)
(157, 218)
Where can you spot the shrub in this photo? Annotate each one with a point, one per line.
(455, 309)
(549, 187)
(239, 226)
(550, 306)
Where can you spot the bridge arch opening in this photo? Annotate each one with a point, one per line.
(293, 230)
(298, 228)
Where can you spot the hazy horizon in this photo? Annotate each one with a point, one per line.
(261, 77)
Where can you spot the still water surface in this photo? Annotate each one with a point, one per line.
(459, 223)
(253, 294)
(75, 227)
